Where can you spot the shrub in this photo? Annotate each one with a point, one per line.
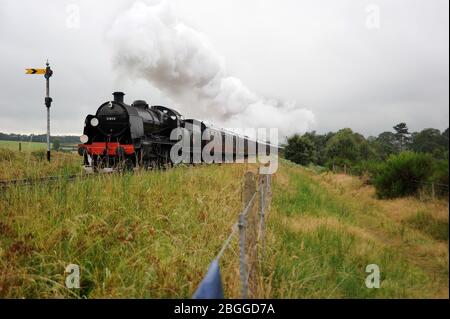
(300, 150)
(440, 177)
(403, 174)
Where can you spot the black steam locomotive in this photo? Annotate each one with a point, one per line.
(122, 136)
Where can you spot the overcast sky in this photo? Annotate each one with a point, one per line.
(366, 65)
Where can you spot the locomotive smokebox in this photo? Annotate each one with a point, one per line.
(118, 97)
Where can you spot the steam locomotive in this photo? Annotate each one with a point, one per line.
(123, 136)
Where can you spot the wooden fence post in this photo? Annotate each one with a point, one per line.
(248, 191)
(262, 206)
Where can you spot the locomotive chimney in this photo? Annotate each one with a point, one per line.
(118, 97)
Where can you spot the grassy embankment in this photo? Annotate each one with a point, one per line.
(153, 234)
(17, 165)
(326, 228)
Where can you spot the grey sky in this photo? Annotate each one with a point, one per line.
(320, 54)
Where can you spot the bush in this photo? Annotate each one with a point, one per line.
(300, 150)
(440, 177)
(403, 174)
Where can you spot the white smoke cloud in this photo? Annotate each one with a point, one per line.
(149, 41)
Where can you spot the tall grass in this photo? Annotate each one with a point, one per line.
(429, 224)
(146, 235)
(17, 165)
(153, 235)
(323, 237)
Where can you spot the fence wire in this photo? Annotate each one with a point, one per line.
(251, 225)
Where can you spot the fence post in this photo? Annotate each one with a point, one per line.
(262, 204)
(247, 194)
(242, 266)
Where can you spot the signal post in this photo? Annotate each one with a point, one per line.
(48, 100)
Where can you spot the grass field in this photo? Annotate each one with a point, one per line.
(153, 234)
(26, 146)
(17, 165)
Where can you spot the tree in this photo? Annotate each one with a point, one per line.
(445, 134)
(300, 150)
(320, 142)
(402, 136)
(429, 140)
(366, 151)
(446, 140)
(385, 144)
(343, 148)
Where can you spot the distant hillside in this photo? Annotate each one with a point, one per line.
(65, 139)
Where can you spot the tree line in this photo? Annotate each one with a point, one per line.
(42, 138)
(351, 152)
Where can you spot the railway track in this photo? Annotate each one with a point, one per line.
(6, 183)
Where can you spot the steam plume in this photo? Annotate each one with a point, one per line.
(149, 41)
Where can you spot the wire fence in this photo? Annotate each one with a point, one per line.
(251, 227)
